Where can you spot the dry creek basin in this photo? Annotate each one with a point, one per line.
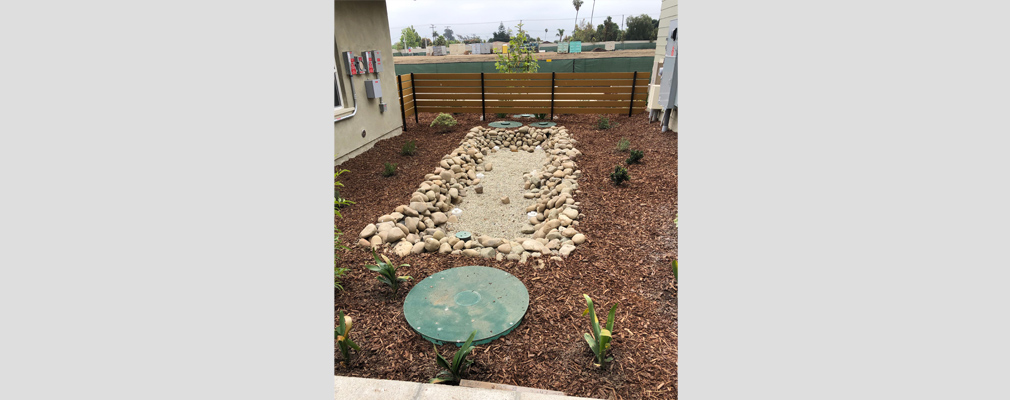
(447, 306)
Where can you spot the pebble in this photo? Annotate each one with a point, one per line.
(579, 239)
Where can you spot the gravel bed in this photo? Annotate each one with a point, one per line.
(484, 214)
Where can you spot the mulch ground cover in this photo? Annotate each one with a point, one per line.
(632, 241)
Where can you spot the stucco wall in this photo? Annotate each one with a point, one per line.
(667, 13)
(361, 26)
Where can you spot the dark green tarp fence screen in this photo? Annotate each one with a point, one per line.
(616, 64)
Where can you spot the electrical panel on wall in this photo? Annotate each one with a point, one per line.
(373, 89)
(377, 55)
(369, 62)
(350, 63)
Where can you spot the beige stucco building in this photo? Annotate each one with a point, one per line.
(358, 121)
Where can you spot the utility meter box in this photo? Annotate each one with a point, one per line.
(668, 80)
(369, 62)
(350, 63)
(377, 57)
(373, 89)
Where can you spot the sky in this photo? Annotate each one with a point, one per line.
(482, 17)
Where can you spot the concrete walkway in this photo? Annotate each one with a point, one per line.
(380, 389)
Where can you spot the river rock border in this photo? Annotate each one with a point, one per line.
(414, 228)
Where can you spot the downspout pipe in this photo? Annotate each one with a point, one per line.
(354, 96)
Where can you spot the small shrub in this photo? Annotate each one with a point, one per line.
(343, 335)
(599, 340)
(636, 156)
(623, 144)
(501, 115)
(444, 122)
(541, 116)
(603, 123)
(408, 149)
(620, 175)
(452, 372)
(387, 272)
(388, 169)
(337, 274)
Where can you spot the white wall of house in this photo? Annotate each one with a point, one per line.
(667, 13)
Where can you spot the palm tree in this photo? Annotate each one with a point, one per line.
(561, 34)
(578, 5)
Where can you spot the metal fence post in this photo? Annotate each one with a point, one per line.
(552, 95)
(403, 114)
(482, 111)
(413, 87)
(631, 103)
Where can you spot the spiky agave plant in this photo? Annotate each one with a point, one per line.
(387, 272)
(599, 340)
(343, 336)
(452, 372)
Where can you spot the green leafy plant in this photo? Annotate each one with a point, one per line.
(408, 149)
(599, 340)
(635, 158)
(541, 116)
(603, 123)
(343, 335)
(623, 144)
(337, 274)
(619, 175)
(519, 57)
(388, 169)
(337, 203)
(337, 200)
(501, 115)
(387, 272)
(444, 122)
(452, 372)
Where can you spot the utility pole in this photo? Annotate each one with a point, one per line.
(591, 15)
(434, 35)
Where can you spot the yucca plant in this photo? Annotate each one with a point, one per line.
(451, 372)
(599, 340)
(343, 336)
(387, 272)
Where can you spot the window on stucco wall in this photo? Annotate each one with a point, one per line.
(338, 101)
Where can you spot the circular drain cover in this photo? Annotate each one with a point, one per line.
(447, 306)
(505, 124)
(463, 235)
(524, 116)
(544, 124)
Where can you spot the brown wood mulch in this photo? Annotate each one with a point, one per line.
(632, 241)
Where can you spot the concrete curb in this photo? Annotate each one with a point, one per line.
(380, 389)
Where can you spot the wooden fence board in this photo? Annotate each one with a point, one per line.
(454, 84)
(598, 75)
(439, 77)
(535, 75)
(599, 82)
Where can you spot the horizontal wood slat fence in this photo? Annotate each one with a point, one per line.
(535, 93)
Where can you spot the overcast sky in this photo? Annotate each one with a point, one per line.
(482, 17)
